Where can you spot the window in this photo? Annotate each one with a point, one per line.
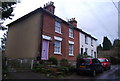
(57, 27)
(95, 55)
(91, 42)
(91, 52)
(71, 32)
(86, 50)
(86, 40)
(71, 49)
(81, 50)
(57, 47)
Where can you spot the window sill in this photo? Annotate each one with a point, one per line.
(58, 32)
(71, 37)
(71, 54)
(57, 53)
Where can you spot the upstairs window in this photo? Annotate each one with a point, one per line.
(91, 42)
(86, 39)
(57, 27)
(71, 32)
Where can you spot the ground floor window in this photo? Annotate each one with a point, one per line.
(57, 47)
(71, 49)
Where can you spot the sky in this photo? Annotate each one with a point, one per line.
(96, 17)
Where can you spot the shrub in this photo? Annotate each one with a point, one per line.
(64, 62)
(53, 60)
(85, 55)
(38, 67)
(63, 69)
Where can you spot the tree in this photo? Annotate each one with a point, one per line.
(116, 43)
(107, 45)
(99, 47)
(3, 41)
(6, 10)
(116, 48)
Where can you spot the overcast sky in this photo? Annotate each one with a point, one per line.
(98, 18)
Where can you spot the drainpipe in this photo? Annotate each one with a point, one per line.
(40, 34)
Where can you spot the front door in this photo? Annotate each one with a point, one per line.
(45, 47)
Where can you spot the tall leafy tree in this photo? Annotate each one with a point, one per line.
(6, 10)
(107, 45)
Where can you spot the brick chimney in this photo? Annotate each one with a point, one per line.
(50, 7)
(73, 22)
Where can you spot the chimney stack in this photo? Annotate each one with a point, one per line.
(73, 22)
(50, 7)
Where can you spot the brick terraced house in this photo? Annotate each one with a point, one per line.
(40, 33)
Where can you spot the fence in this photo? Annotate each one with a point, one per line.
(14, 65)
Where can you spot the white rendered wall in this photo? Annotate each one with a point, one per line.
(83, 45)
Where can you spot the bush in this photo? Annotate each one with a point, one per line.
(38, 67)
(63, 69)
(85, 55)
(53, 60)
(64, 62)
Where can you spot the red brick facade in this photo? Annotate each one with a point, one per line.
(49, 30)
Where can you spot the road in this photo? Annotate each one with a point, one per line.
(113, 73)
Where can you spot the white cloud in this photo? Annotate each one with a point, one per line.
(97, 18)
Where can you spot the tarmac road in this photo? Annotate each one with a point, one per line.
(112, 74)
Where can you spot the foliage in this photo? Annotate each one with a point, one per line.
(85, 55)
(4, 66)
(7, 9)
(63, 62)
(116, 43)
(38, 67)
(99, 47)
(54, 72)
(114, 60)
(3, 41)
(53, 60)
(107, 45)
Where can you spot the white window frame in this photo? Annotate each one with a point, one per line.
(70, 32)
(59, 40)
(72, 50)
(58, 27)
(92, 53)
(91, 42)
(55, 52)
(86, 39)
(71, 43)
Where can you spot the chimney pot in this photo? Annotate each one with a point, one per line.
(73, 22)
(50, 7)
